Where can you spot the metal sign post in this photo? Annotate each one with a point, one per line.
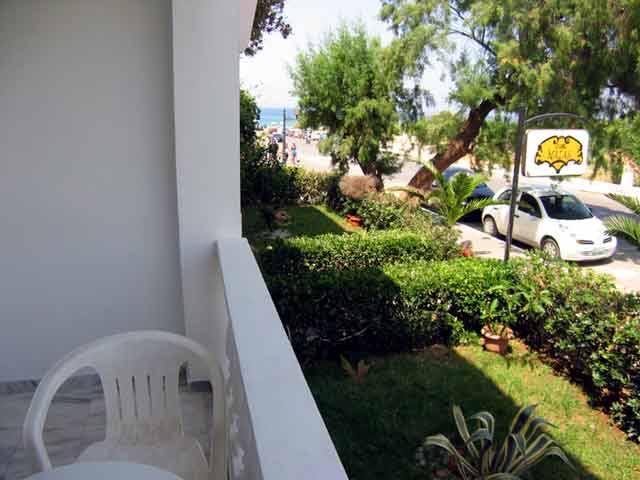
(522, 123)
(514, 183)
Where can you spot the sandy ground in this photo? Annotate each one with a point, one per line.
(624, 267)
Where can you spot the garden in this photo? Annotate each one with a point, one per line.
(386, 318)
(424, 361)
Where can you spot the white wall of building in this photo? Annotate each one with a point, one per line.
(88, 216)
(206, 46)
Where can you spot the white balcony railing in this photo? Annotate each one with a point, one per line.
(276, 431)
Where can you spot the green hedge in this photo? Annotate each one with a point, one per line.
(577, 318)
(266, 181)
(357, 251)
(382, 309)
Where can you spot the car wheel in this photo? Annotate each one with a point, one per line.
(489, 226)
(550, 247)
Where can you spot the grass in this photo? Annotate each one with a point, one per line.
(308, 220)
(378, 425)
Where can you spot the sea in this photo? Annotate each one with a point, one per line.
(273, 116)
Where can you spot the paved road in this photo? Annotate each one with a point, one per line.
(624, 267)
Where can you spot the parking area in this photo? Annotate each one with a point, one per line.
(624, 267)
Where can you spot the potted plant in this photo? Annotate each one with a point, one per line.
(498, 314)
(483, 457)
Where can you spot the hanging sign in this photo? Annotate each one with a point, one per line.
(554, 153)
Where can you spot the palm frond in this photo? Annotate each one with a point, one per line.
(479, 204)
(413, 192)
(632, 203)
(626, 226)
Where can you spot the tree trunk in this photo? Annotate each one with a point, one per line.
(459, 146)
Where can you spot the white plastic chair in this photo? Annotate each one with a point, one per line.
(139, 373)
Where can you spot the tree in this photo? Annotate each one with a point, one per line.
(347, 85)
(269, 18)
(573, 55)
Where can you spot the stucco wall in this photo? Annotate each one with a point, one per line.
(88, 216)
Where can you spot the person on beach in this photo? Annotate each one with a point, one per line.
(294, 154)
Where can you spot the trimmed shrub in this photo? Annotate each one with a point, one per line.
(313, 187)
(383, 211)
(589, 328)
(393, 308)
(265, 181)
(357, 251)
(578, 319)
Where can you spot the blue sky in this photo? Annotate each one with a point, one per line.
(266, 74)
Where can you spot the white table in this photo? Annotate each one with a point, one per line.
(105, 471)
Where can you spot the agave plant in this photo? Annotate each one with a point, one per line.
(486, 459)
(449, 196)
(622, 225)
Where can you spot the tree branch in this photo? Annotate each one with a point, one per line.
(470, 36)
(457, 12)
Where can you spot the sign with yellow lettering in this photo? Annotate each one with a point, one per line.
(553, 153)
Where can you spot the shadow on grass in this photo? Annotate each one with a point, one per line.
(378, 425)
(314, 220)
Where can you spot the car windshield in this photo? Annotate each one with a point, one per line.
(565, 207)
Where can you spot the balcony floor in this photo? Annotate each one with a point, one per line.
(76, 419)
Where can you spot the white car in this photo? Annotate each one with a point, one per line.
(553, 220)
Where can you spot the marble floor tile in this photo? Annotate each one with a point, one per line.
(77, 419)
(13, 409)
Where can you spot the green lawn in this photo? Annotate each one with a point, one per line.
(309, 220)
(378, 425)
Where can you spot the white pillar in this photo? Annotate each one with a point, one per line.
(206, 102)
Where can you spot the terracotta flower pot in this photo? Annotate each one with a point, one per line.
(495, 343)
(354, 220)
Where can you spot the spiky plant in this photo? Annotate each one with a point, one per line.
(622, 225)
(449, 196)
(632, 203)
(484, 458)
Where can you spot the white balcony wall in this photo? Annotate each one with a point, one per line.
(88, 216)
(276, 431)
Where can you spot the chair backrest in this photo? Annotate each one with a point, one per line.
(140, 379)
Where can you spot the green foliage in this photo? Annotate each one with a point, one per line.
(524, 446)
(632, 203)
(263, 179)
(358, 373)
(368, 302)
(500, 310)
(436, 130)
(627, 227)
(385, 211)
(495, 143)
(590, 330)
(545, 56)
(356, 251)
(345, 85)
(269, 17)
(378, 306)
(450, 196)
(615, 141)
